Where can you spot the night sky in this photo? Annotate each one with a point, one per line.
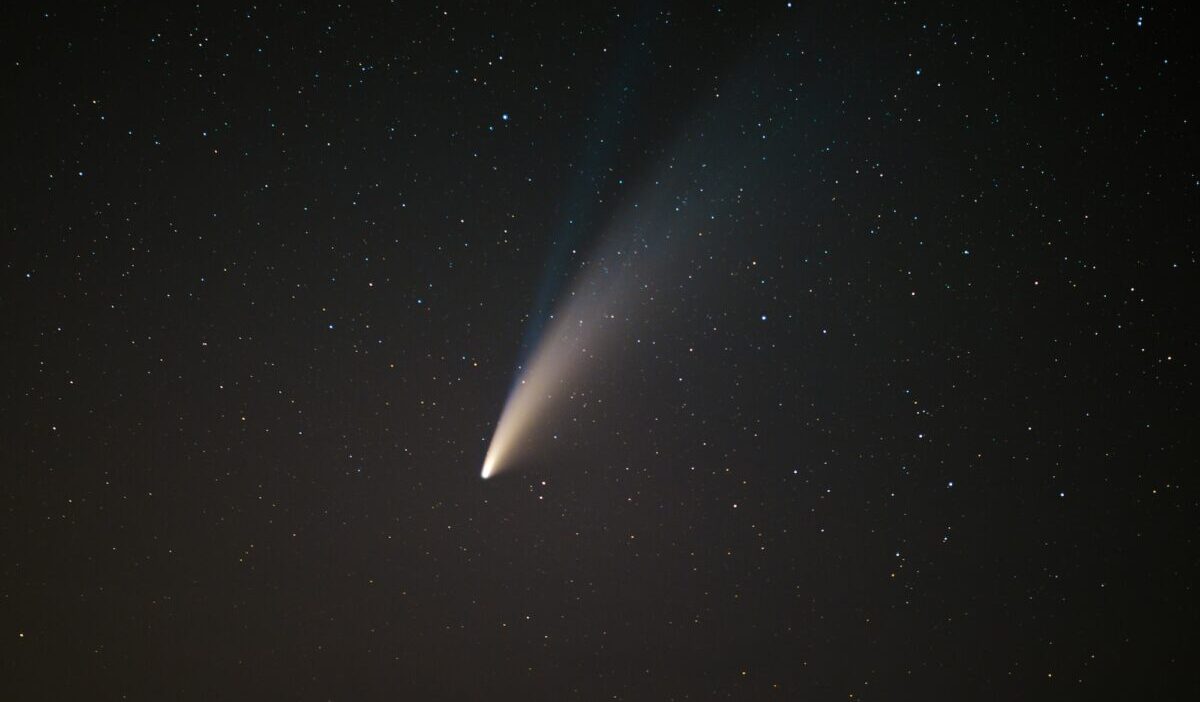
(892, 398)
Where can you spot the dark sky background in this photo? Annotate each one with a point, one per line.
(919, 425)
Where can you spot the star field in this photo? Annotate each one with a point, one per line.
(893, 402)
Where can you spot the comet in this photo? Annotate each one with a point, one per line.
(653, 260)
(563, 346)
(573, 343)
